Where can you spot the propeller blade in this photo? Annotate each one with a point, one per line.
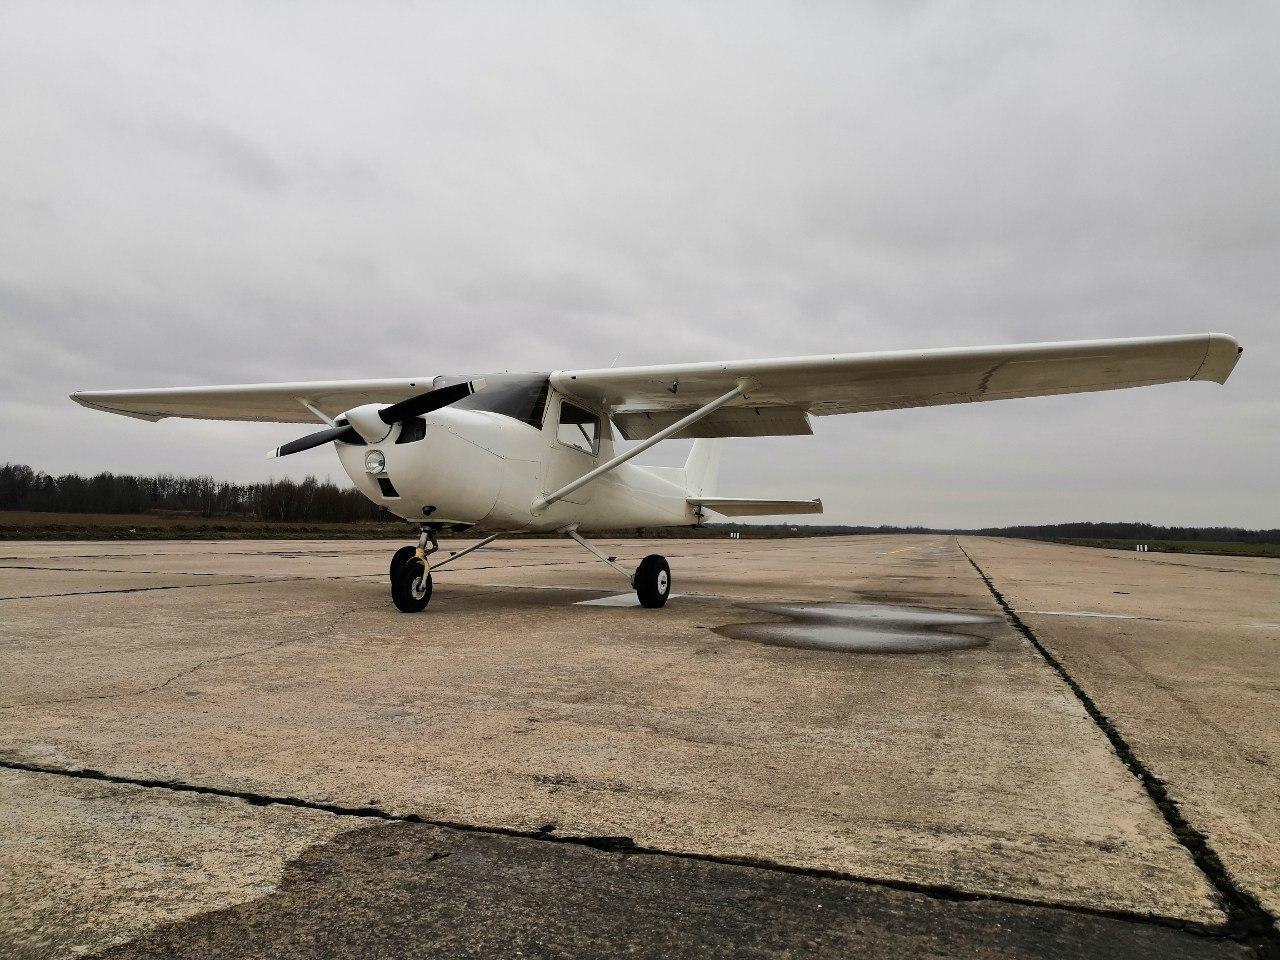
(431, 400)
(317, 439)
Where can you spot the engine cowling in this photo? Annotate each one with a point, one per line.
(453, 474)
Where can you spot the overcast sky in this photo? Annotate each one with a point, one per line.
(222, 193)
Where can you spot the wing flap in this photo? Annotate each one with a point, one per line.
(751, 507)
(725, 422)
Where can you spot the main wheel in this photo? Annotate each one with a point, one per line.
(399, 557)
(652, 581)
(411, 586)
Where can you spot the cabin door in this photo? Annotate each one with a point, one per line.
(573, 437)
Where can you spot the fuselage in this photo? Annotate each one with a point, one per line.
(484, 469)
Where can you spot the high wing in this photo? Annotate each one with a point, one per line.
(782, 393)
(269, 402)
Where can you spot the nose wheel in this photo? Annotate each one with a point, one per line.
(411, 574)
(411, 586)
(411, 569)
(399, 558)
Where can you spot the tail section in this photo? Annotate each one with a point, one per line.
(700, 473)
(702, 467)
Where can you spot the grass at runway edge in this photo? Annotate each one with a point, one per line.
(1223, 549)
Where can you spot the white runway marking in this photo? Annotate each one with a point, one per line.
(618, 600)
(1082, 613)
(537, 586)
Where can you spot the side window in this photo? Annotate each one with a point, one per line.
(578, 428)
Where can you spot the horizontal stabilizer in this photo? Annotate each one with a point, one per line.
(749, 507)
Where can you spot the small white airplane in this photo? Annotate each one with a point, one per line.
(513, 453)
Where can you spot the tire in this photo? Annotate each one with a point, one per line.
(399, 557)
(408, 592)
(653, 581)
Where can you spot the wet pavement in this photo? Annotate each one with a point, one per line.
(203, 744)
(862, 628)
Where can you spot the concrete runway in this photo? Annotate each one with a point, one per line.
(242, 749)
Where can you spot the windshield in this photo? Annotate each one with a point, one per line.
(522, 397)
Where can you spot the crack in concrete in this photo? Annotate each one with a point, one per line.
(1248, 921)
(148, 573)
(187, 671)
(173, 586)
(626, 846)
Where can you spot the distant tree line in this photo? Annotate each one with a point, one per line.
(23, 488)
(1134, 531)
(1049, 531)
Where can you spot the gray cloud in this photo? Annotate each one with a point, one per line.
(223, 151)
(279, 192)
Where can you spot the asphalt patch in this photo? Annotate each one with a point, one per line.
(400, 890)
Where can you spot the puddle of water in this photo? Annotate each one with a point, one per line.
(862, 628)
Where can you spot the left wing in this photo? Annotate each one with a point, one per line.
(270, 402)
(782, 393)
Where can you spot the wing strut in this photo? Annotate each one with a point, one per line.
(543, 502)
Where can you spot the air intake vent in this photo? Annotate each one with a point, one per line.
(412, 430)
(388, 489)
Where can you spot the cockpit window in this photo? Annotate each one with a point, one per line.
(578, 428)
(522, 398)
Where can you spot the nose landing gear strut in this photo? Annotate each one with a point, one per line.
(411, 570)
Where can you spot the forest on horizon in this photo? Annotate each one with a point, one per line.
(321, 501)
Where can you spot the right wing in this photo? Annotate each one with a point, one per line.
(783, 391)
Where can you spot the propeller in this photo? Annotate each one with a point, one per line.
(390, 415)
(316, 439)
(429, 401)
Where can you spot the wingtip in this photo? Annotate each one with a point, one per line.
(92, 401)
(1222, 353)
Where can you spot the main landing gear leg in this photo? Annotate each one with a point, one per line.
(652, 579)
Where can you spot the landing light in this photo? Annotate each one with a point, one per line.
(375, 462)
